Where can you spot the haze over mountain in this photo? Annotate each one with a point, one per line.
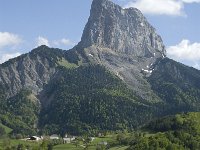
(117, 77)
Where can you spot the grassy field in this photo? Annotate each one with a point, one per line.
(70, 146)
(6, 141)
(16, 142)
(73, 147)
(119, 148)
(67, 147)
(7, 129)
(92, 146)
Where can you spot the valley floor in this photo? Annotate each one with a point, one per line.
(69, 146)
(179, 132)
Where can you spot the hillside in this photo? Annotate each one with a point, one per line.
(177, 85)
(116, 78)
(89, 99)
(181, 132)
(21, 113)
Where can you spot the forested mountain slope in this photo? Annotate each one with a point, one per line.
(179, 132)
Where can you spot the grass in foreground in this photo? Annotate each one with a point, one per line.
(119, 148)
(12, 142)
(67, 147)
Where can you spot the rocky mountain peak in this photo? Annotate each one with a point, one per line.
(122, 30)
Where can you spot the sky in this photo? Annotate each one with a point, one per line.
(25, 25)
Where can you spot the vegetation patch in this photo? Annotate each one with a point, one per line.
(63, 62)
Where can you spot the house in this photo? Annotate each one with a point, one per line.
(54, 137)
(69, 139)
(35, 138)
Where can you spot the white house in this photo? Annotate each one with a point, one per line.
(34, 138)
(54, 137)
(67, 140)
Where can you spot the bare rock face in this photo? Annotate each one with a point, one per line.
(124, 42)
(122, 30)
(30, 71)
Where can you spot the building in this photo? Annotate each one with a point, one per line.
(35, 138)
(69, 139)
(54, 137)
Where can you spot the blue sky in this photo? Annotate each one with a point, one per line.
(25, 25)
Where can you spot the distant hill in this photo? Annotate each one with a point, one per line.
(181, 132)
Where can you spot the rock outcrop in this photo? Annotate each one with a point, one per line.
(124, 42)
(121, 30)
(29, 71)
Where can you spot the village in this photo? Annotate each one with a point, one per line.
(67, 139)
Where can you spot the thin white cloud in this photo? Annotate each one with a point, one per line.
(161, 7)
(186, 52)
(64, 41)
(9, 39)
(42, 41)
(191, 1)
(6, 57)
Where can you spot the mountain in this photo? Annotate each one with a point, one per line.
(32, 70)
(124, 31)
(124, 42)
(117, 77)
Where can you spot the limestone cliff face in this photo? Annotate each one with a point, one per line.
(124, 42)
(122, 30)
